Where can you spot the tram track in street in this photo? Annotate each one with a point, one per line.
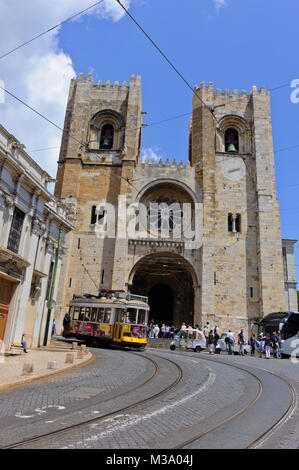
(104, 416)
(258, 441)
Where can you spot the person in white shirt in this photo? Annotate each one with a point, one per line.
(156, 331)
(206, 333)
(231, 340)
(183, 327)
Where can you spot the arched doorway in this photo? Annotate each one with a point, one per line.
(168, 280)
(160, 299)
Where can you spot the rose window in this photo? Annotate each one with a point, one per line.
(165, 215)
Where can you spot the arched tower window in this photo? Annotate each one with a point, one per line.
(230, 222)
(231, 140)
(107, 136)
(238, 223)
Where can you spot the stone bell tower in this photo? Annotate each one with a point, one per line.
(231, 149)
(100, 149)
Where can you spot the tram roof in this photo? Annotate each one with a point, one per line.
(97, 302)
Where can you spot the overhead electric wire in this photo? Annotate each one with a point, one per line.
(61, 129)
(168, 61)
(79, 142)
(38, 113)
(51, 29)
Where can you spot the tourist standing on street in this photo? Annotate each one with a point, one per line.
(53, 328)
(190, 330)
(241, 343)
(279, 344)
(274, 340)
(206, 333)
(151, 329)
(171, 332)
(216, 337)
(252, 343)
(66, 324)
(24, 344)
(156, 331)
(231, 340)
(261, 345)
(167, 331)
(211, 342)
(268, 344)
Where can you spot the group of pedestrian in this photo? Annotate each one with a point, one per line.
(212, 337)
(263, 344)
(165, 331)
(266, 342)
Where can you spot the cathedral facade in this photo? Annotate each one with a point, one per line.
(233, 271)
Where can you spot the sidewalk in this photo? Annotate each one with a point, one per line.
(11, 367)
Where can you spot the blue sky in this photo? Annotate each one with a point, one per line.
(234, 43)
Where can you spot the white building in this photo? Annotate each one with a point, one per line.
(30, 222)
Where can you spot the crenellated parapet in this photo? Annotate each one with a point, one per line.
(167, 164)
(207, 93)
(134, 81)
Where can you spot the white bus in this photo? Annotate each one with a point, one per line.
(288, 325)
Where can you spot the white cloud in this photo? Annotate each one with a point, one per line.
(220, 4)
(40, 72)
(152, 153)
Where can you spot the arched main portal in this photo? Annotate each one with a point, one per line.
(168, 280)
(160, 299)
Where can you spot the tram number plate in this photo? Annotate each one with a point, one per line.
(127, 328)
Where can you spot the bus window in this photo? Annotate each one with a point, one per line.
(107, 315)
(76, 312)
(94, 312)
(101, 314)
(291, 326)
(87, 314)
(141, 317)
(131, 315)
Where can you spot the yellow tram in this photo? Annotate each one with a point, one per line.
(113, 318)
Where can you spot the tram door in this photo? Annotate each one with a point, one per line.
(117, 332)
(5, 297)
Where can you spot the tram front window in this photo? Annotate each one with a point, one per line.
(141, 317)
(107, 315)
(101, 314)
(120, 315)
(94, 313)
(82, 313)
(87, 314)
(76, 313)
(131, 315)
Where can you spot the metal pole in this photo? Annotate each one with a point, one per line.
(50, 302)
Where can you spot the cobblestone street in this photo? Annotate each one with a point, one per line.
(154, 400)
